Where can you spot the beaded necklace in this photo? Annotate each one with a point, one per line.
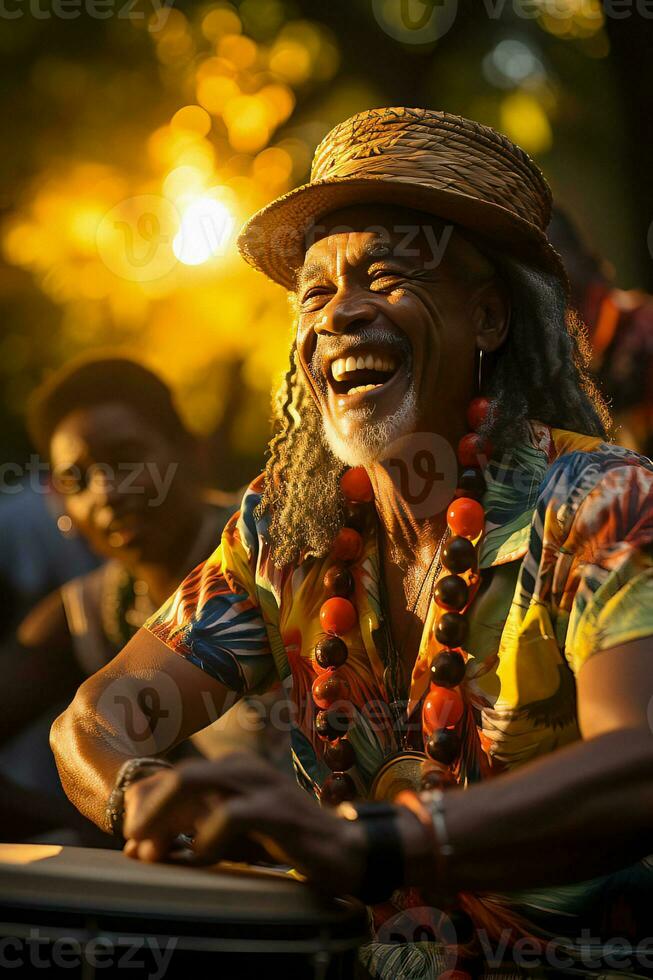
(443, 706)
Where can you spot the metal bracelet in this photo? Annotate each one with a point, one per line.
(434, 800)
(130, 772)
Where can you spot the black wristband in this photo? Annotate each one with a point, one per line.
(385, 865)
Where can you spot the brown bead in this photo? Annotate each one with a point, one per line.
(439, 777)
(443, 746)
(451, 630)
(333, 723)
(331, 651)
(338, 581)
(337, 788)
(471, 484)
(459, 555)
(451, 593)
(447, 668)
(340, 756)
(357, 516)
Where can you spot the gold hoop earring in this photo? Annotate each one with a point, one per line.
(479, 378)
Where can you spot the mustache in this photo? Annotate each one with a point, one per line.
(329, 348)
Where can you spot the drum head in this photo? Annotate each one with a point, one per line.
(238, 899)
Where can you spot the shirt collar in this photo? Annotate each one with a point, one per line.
(513, 487)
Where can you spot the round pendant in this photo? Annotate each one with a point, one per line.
(401, 771)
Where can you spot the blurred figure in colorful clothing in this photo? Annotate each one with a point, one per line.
(128, 478)
(620, 325)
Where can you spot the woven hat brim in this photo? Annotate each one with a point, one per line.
(273, 240)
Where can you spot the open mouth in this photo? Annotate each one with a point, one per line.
(362, 372)
(125, 531)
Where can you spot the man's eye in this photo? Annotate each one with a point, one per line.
(385, 278)
(315, 295)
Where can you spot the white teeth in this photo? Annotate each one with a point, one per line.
(369, 362)
(359, 388)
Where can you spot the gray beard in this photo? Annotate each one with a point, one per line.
(373, 440)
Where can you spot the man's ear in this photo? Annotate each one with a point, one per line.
(491, 315)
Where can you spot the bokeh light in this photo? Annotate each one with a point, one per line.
(206, 226)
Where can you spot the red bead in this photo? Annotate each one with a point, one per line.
(348, 544)
(339, 755)
(337, 788)
(357, 486)
(338, 580)
(477, 413)
(466, 517)
(442, 708)
(329, 688)
(474, 450)
(337, 616)
(331, 651)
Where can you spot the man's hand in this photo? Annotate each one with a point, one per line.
(221, 801)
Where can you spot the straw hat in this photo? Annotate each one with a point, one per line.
(431, 161)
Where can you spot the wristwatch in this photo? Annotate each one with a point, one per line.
(384, 866)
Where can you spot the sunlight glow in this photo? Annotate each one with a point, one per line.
(206, 226)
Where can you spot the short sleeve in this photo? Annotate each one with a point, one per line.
(214, 619)
(611, 567)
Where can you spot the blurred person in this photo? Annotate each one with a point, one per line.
(36, 556)
(126, 472)
(620, 324)
(447, 564)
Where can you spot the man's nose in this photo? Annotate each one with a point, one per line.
(346, 312)
(105, 487)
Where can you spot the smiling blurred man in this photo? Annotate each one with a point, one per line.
(465, 642)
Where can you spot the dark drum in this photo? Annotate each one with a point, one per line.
(86, 913)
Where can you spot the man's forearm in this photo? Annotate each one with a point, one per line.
(580, 812)
(143, 703)
(88, 758)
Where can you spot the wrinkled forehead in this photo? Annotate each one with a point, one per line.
(355, 235)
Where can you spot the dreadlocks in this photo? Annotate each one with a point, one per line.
(540, 373)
